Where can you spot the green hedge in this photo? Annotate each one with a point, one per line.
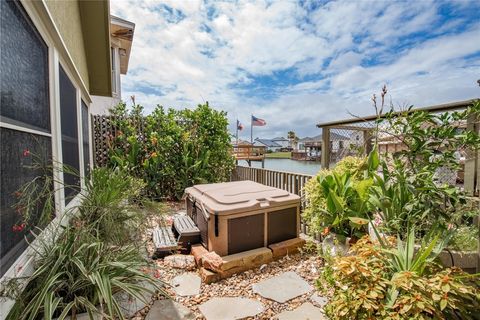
(172, 149)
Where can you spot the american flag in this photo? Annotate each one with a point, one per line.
(258, 122)
(239, 125)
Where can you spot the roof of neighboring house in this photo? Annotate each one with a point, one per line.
(240, 142)
(268, 142)
(279, 139)
(122, 36)
(333, 136)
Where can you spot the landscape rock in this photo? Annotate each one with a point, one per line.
(180, 261)
(169, 310)
(212, 261)
(283, 287)
(306, 311)
(130, 304)
(187, 284)
(286, 247)
(230, 308)
(198, 251)
(319, 300)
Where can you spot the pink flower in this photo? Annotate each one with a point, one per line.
(450, 226)
(157, 274)
(26, 152)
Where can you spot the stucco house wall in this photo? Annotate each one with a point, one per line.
(68, 21)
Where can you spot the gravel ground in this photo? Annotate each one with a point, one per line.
(240, 285)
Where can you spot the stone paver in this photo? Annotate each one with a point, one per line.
(282, 287)
(230, 308)
(187, 284)
(169, 310)
(130, 304)
(319, 300)
(306, 311)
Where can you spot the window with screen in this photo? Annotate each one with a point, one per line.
(70, 147)
(25, 134)
(86, 141)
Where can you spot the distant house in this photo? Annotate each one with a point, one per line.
(284, 143)
(313, 145)
(240, 142)
(268, 143)
(121, 37)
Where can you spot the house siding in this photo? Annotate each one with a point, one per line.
(67, 19)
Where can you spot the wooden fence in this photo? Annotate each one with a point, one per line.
(291, 182)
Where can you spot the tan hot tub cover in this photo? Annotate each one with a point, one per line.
(239, 196)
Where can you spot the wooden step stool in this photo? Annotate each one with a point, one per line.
(164, 242)
(186, 231)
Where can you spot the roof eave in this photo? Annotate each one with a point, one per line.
(95, 18)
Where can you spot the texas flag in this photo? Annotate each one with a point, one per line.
(239, 125)
(258, 122)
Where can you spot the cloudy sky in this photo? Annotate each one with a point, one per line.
(295, 64)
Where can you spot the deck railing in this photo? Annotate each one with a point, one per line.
(291, 182)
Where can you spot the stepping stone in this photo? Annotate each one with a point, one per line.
(130, 304)
(319, 300)
(169, 310)
(230, 308)
(187, 284)
(283, 287)
(306, 311)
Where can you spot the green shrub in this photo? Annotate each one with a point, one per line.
(363, 283)
(316, 214)
(172, 149)
(109, 205)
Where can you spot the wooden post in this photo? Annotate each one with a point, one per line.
(367, 141)
(325, 148)
(472, 168)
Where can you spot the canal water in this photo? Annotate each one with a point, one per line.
(289, 165)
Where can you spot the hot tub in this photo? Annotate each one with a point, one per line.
(243, 215)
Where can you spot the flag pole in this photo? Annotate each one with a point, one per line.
(237, 132)
(251, 129)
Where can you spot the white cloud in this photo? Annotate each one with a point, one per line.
(337, 55)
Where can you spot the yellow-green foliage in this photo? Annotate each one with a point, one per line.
(312, 214)
(362, 281)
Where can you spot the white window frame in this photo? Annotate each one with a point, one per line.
(115, 71)
(58, 55)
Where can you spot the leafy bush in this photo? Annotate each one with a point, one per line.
(110, 205)
(172, 149)
(410, 191)
(363, 283)
(333, 195)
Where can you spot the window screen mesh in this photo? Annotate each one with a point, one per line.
(70, 153)
(24, 70)
(18, 151)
